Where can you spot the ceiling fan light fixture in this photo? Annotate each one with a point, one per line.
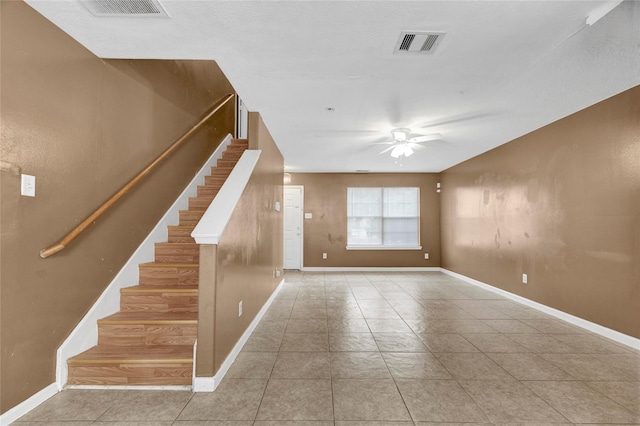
(400, 150)
(397, 151)
(400, 134)
(402, 143)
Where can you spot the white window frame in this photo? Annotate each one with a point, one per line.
(382, 246)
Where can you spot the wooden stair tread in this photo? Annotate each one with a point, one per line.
(176, 246)
(150, 318)
(160, 354)
(160, 289)
(168, 265)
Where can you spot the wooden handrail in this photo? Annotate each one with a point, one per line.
(44, 253)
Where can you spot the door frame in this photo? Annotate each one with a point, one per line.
(241, 118)
(301, 187)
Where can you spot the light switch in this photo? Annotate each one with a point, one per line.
(28, 185)
(308, 215)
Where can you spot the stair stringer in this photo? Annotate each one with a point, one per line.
(85, 335)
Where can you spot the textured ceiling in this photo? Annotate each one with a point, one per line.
(503, 69)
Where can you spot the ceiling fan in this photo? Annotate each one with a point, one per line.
(403, 144)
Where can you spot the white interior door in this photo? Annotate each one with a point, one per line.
(293, 206)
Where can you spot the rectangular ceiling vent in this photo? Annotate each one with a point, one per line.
(417, 42)
(124, 8)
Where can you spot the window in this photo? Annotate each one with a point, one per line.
(383, 218)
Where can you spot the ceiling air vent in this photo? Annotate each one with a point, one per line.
(123, 8)
(417, 42)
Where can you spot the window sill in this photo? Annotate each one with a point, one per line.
(384, 247)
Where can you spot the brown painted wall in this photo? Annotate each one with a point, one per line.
(561, 204)
(249, 252)
(83, 126)
(325, 196)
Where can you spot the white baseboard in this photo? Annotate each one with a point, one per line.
(85, 335)
(205, 384)
(582, 323)
(122, 387)
(209, 384)
(29, 404)
(368, 269)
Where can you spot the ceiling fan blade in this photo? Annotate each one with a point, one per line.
(387, 149)
(416, 146)
(426, 138)
(384, 143)
(454, 120)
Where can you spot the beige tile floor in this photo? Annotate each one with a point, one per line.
(390, 349)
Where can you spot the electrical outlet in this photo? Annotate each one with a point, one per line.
(324, 255)
(240, 309)
(426, 256)
(524, 278)
(277, 272)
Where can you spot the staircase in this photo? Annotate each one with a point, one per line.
(150, 341)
